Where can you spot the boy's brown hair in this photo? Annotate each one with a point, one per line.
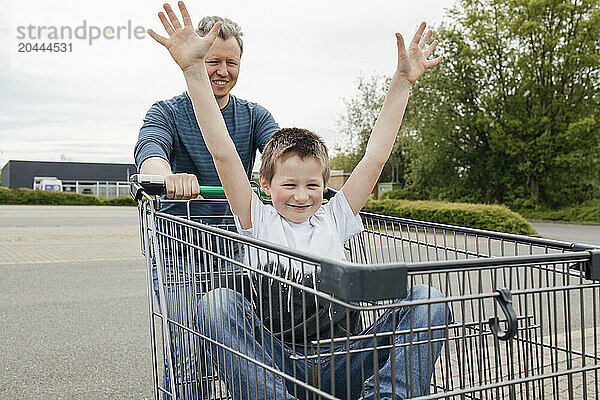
(288, 142)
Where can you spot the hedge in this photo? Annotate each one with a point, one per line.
(588, 211)
(401, 194)
(118, 201)
(41, 197)
(480, 216)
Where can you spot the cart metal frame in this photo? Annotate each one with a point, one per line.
(524, 311)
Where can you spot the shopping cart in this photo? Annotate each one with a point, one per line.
(522, 315)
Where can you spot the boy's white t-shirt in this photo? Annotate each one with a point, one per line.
(323, 234)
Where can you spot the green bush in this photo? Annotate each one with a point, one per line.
(588, 211)
(119, 201)
(480, 216)
(401, 194)
(41, 197)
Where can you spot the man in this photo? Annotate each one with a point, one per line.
(170, 144)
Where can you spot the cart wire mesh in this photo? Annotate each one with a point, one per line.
(519, 313)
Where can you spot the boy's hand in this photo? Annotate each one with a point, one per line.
(186, 47)
(413, 63)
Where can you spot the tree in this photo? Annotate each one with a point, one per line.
(552, 119)
(515, 103)
(356, 123)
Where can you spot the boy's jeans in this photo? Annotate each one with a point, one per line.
(227, 318)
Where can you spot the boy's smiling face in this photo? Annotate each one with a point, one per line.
(296, 188)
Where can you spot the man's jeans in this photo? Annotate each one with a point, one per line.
(227, 318)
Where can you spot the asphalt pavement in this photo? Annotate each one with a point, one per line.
(73, 304)
(574, 233)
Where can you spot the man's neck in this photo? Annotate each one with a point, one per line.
(223, 101)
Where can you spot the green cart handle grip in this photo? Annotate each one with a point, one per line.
(218, 191)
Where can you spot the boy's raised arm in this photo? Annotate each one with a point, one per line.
(188, 49)
(411, 66)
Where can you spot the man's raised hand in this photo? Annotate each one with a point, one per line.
(412, 63)
(186, 47)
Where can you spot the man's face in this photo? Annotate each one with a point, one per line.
(223, 65)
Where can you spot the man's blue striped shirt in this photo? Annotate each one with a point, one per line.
(170, 131)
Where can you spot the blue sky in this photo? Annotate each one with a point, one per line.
(300, 60)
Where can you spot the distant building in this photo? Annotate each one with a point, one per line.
(101, 179)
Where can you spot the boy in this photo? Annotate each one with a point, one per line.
(294, 173)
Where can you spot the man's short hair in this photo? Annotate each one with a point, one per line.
(228, 29)
(288, 142)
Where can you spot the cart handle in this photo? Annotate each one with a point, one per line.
(155, 185)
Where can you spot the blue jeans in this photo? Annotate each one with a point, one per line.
(229, 319)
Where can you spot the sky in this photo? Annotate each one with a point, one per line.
(300, 61)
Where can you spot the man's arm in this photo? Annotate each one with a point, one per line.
(151, 153)
(411, 65)
(188, 50)
(155, 166)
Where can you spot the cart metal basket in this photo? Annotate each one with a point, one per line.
(521, 315)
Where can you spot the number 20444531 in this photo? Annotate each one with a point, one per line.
(45, 47)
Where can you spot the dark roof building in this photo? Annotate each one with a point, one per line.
(20, 174)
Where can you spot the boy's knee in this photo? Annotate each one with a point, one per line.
(217, 303)
(424, 292)
(433, 314)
